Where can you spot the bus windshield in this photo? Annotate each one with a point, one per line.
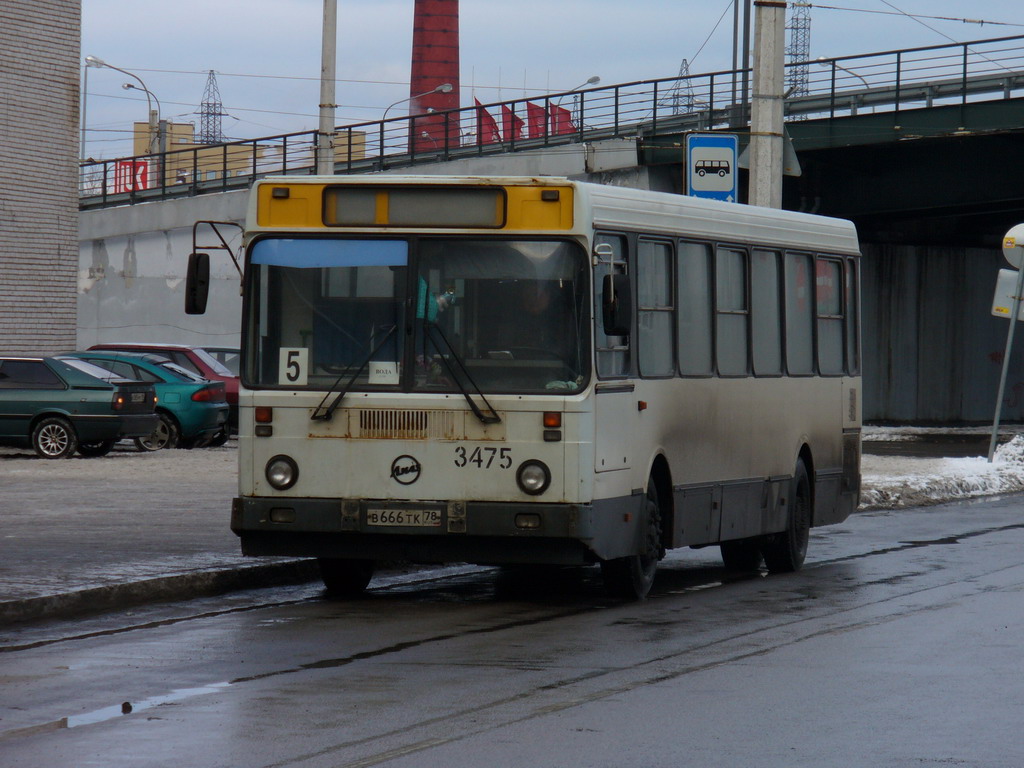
(434, 314)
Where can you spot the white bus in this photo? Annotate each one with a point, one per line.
(540, 371)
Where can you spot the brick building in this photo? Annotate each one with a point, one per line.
(39, 94)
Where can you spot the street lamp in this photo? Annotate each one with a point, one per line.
(94, 61)
(592, 80)
(833, 63)
(159, 132)
(836, 65)
(442, 88)
(90, 61)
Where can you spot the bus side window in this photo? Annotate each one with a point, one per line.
(655, 347)
(829, 296)
(613, 355)
(765, 313)
(799, 315)
(732, 311)
(695, 309)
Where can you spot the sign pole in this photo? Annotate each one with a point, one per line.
(1006, 363)
(1014, 254)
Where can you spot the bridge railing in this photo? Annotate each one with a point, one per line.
(839, 87)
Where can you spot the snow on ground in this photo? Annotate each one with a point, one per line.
(888, 482)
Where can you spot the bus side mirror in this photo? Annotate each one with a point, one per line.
(197, 283)
(616, 305)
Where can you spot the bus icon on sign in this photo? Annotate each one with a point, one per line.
(711, 166)
(704, 167)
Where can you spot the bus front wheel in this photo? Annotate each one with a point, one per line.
(345, 578)
(785, 552)
(631, 577)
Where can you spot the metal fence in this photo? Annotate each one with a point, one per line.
(891, 81)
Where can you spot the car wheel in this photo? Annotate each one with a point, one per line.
(90, 450)
(166, 435)
(54, 438)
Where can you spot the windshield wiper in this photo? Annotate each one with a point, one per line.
(493, 417)
(320, 413)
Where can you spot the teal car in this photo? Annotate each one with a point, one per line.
(192, 410)
(60, 405)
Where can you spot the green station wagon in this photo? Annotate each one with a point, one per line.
(59, 405)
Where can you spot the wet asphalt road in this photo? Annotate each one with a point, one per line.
(900, 644)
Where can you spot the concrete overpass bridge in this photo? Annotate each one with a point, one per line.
(920, 147)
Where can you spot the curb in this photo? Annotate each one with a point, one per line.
(183, 586)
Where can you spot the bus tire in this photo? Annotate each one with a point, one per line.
(785, 552)
(631, 578)
(345, 578)
(742, 554)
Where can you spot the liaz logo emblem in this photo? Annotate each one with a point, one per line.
(406, 470)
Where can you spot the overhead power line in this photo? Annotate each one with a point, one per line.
(916, 16)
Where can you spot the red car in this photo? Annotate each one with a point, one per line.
(195, 359)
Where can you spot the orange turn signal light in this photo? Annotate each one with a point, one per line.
(552, 420)
(264, 414)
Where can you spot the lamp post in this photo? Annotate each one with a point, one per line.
(157, 137)
(442, 88)
(836, 65)
(93, 61)
(592, 80)
(90, 61)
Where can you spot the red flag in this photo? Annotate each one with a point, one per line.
(486, 126)
(511, 124)
(538, 120)
(561, 120)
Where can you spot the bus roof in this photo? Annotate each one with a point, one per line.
(624, 208)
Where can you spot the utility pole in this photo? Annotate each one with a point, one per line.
(766, 143)
(328, 59)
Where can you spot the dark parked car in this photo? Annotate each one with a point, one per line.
(192, 410)
(58, 405)
(195, 359)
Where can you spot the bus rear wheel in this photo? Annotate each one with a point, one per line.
(631, 577)
(785, 552)
(345, 578)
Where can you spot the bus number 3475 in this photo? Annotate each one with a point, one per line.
(483, 458)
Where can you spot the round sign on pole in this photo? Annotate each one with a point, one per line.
(1013, 246)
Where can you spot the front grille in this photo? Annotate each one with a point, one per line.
(381, 423)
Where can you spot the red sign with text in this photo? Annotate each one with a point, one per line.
(131, 176)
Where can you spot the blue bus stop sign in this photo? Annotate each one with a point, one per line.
(711, 166)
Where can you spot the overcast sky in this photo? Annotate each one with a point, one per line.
(266, 53)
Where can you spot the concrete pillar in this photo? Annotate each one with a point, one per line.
(766, 142)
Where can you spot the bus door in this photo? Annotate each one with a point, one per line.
(615, 399)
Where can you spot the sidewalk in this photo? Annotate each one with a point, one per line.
(90, 535)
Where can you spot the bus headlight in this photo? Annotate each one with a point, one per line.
(533, 477)
(282, 472)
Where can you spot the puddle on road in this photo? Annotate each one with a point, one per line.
(115, 711)
(109, 713)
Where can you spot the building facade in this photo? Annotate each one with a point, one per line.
(39, 101)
